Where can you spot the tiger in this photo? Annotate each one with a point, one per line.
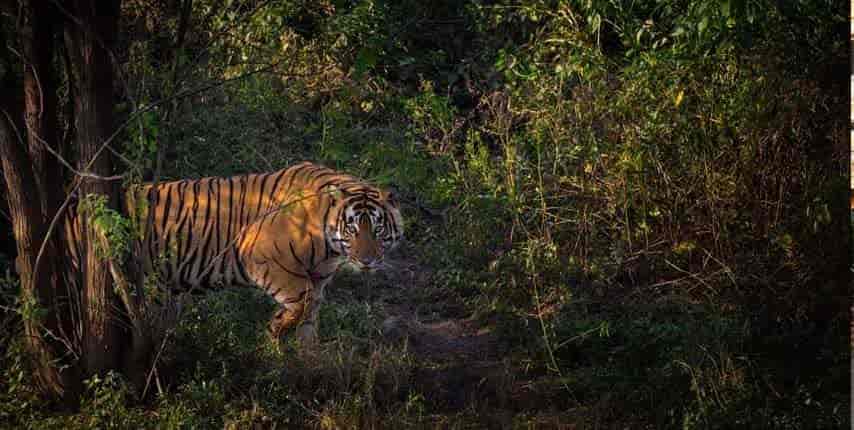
(286, 232)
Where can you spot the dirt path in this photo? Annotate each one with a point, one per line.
(417, 311)
(462, 361)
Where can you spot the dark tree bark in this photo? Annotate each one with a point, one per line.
(29, 229)
(90, 31)
(32, 158)
(37, 35)
(29, 195)
(37, 43)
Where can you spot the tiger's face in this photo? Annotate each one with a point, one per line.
(367, 226)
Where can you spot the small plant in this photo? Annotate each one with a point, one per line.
(115, 228)
(106, 403)
(432, 118)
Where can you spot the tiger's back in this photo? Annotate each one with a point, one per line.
(190, 226)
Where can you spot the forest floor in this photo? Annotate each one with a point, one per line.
(463, 366)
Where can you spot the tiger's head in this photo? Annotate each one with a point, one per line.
(366, 223)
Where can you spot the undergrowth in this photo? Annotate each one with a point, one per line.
(642, 202)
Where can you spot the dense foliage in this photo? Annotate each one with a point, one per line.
(641, 203)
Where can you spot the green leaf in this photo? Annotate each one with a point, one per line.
(704, 23)
(595, 22)
(366, 60)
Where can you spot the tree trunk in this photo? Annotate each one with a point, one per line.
(26, 199)
(37, 37)
(30, 152)
(40, 108)
(89, 37)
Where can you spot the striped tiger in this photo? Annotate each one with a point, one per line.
(286, 232)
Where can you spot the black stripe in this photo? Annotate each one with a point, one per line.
(167, 269)
(191, 252)
(342, 222)
(322, 175)
(205, 253)
(261, 195)
(205, 227)
(326, 238)
(230, 208)
(153, 200)
(261, 222)
(294, 253)
(241, 269)
(326, 215)
(183, 257)
(296, 169)
(183, 217)
(189, 258)
(311, 171)
(264, 275)
(362, 189)
(218, 215)
(290, 272)
(196, 187)
(311, 259)
(276, 184)
(342, 184)
(167, 206)
(242, 216)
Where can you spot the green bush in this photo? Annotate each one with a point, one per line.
(637, 201)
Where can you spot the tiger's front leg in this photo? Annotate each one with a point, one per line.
(307, 330)
(290, 270)
(298, 303)
(298, 315)
(286, 317)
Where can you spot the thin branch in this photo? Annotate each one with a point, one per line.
(68, 165)
(154, 363)
(52, 227)
(61, 339)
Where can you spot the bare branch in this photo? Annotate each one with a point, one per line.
(154, 364)
(65, 163)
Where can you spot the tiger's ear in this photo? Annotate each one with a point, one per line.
(334, 193)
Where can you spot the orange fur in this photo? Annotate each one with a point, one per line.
(286, 232)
